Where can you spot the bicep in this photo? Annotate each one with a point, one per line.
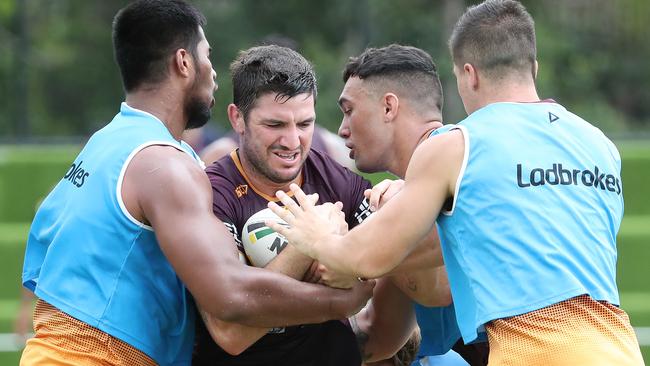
(176, 199)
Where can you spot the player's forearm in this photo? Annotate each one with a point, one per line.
(262, 298)
(291, 263)
(351, 255)
(235, 338)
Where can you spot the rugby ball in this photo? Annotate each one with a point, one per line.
(261, 243)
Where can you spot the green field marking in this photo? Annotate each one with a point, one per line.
(636, 225)
(637, 306)
(10, 358)
(8, 312)
(12, 234)
(34, 153)
(638, 302)
(8, 308)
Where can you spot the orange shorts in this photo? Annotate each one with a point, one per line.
(577, 331)
(60, 339)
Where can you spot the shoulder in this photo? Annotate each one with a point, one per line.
(446, 142)
(229, 187)
(443, 129)
(440, 156)
(166, 163)
(226, 175)
(162, 177)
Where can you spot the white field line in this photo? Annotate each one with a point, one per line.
(9, 342)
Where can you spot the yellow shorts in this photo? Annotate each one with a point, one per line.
(577, 331)
(60, 339)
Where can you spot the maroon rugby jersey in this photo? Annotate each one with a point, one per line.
(235, 199)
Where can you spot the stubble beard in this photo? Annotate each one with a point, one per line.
(261, 167)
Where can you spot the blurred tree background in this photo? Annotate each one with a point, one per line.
(59, 84)
(58, 80)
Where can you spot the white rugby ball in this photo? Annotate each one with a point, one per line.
(261, 243)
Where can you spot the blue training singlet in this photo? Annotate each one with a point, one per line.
(87, 256)
(537, 207)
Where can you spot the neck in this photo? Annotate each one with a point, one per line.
(515, 92)
(163, 104)
(408, 140)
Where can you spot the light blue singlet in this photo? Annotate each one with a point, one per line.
(92, 260)
(537, 207)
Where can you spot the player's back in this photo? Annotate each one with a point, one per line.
(530, 242)
(538, 202)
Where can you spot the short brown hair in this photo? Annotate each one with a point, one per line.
(270, 69)
(497, 37)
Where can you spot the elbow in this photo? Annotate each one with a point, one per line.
(225, 335)
(227, 341)
(231, 346)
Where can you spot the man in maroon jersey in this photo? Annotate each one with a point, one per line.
(274, 91)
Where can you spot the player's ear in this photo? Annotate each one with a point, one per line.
(391, 106)
(182, 63)
(535, 69)
(236, 118)
(472, 76)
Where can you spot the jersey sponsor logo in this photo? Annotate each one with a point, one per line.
(76, 174)
(559, 175)
(241, 190)
(363, 211)
(233, 230)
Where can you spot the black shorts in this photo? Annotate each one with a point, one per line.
(327, 344)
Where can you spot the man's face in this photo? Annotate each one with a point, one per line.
(200, 99)
(277, 136)
(363, 126)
